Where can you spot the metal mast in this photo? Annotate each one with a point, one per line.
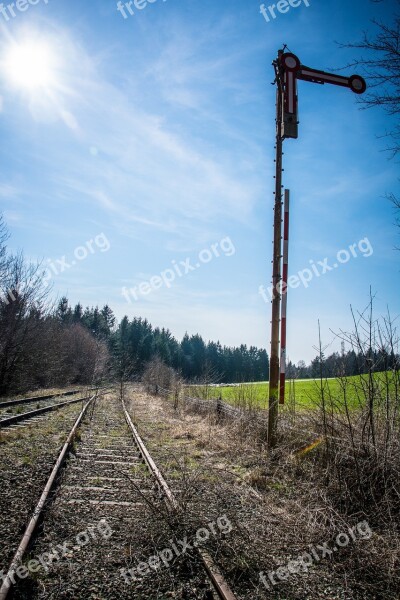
(288, 69)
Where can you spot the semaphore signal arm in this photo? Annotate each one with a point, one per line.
(289, 69)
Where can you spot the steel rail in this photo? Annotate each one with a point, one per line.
(32, 399)
(39, 411)
(220, 585)
(29, 531)
(36, 398)
(149, 461)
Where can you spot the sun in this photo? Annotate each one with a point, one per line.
(29, 65)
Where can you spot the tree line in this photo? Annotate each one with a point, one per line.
(133, 343)
(344, 363)
(44, 345)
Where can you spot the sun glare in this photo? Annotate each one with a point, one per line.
(29, 65)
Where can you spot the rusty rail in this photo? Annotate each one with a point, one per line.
(39, 411)
(220, 585)
(36, 398)
(26, 538)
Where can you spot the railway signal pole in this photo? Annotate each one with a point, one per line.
(282, 380)
(288, 70)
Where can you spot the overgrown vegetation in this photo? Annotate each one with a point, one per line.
(291, 500)
(342, 454)
(361, 445)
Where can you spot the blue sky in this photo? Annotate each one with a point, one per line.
(157, 131)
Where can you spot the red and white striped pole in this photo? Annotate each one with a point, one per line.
(284, 297)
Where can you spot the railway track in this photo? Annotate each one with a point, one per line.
(35, 414)
(28, 452)
(44, 406)
(109, 494)
(7, 403)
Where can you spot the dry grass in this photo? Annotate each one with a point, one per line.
(280, 504)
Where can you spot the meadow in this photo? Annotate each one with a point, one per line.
(305, 394)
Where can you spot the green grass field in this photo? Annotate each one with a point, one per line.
(304, 394)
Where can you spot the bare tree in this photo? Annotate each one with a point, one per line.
(3, 248)
(83, 358)
(396, 203)
(158, 377)
(23, 301)
(381, 66)
(37, 348)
